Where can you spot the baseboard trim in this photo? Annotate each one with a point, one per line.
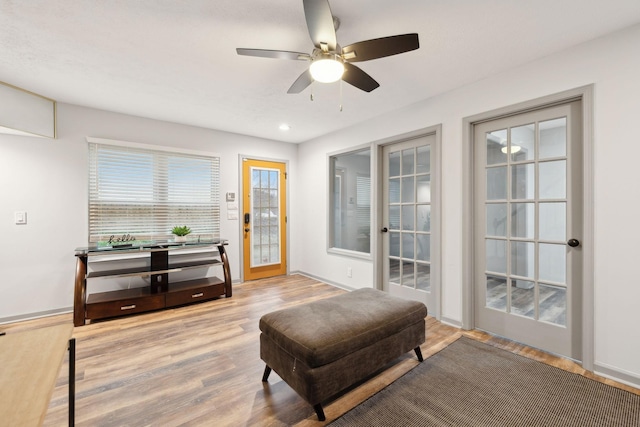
(323, 280)
(37, 315)
(451, 322)
(617, 375)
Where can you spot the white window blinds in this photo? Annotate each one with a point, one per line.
(144, 193)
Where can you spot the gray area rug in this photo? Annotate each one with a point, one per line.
(474, 384)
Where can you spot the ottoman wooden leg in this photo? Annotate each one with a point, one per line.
(267, 371)
(319, 412)
(418, 353)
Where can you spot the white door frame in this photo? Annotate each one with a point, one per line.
(584, 93)
(436, 209)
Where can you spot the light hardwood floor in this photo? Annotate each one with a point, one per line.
(199, 365)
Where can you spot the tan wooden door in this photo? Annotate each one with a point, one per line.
(264, 219)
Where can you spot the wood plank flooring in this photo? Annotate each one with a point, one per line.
(199, 365)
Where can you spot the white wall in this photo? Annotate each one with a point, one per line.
(48, 179)
(611, 63)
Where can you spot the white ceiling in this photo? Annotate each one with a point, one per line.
(176, 61)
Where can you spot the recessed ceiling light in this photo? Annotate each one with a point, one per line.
(285, 127)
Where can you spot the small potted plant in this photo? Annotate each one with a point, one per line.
(181, 233)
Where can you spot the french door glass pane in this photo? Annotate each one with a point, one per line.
(497, 183)
(553, 182)
(394, 164)
(423, 218)
(523, 259)
(553, 304)
(394, 244)
(523, 298)
(523, 220)
(496, 253)
(496, 141)
(407, 245)
(394, 271)
(407, 274)
(265, 237)
(523, 140)
(497, 219)
(394, 217)
(423, 277)
(523, 181)
(496, 292)
(553, 263)
(553, 138)
(553, 221)
(424, 188)
(423, 164)
(407, 217)
(423, 243)
(394, 190)
(407, 189)
(408, 161)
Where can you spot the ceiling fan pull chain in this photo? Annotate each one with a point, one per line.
(311, 96)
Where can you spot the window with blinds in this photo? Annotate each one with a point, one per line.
(144, 193)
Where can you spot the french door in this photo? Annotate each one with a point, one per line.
(409, 235)
(264, 219)
(528, 226)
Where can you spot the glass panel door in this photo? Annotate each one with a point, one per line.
(407, 201)
(527, 284)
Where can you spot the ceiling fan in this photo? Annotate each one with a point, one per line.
(329, 61)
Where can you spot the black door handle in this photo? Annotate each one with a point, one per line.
(574, 243)
(384, 229)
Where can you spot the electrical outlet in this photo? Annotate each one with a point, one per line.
(349, 272)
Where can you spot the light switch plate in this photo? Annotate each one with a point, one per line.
(20, 217)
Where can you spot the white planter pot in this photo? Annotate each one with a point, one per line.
(180, 239)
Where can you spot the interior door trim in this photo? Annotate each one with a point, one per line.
(585, 94)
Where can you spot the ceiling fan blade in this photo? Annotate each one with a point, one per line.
(379, 48)
(277, 54)
(301, 82)
(358, 78)
(320, 23)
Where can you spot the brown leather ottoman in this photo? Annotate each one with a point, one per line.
(323, 347)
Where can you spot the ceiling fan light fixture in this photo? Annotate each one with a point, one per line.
(326, 68)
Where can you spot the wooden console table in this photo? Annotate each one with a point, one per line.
(30, 363)
(161, 292)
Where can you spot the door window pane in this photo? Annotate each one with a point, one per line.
(496, 141)
(423, 243)
(497, 183)
(408, 278)
(553, 262)
(523, 181)
(523, 259)
(497, 219)
(407, 245)
(423, 277)
(553, 221)
(394, 244)
(424, 188)
(523, 298)
(553, 304)
(407, 190)
(423, 218)
(496, 295)
(553, 181)
(394, 164)
(408, 161)
(394, 217)
(553, 138)
(496, 254)
(394, 190)
(523, 140)
(394, 271)
(523, 220)
(423, 164)
(407, 218)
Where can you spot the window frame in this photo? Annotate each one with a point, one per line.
(331, 225)
(165, 153)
